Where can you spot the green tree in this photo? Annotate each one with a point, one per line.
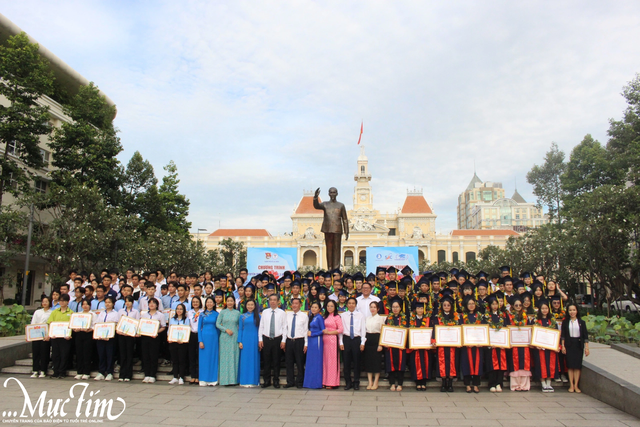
(137, 179)
(175, 205)
(624, 135)
(546, 182)
(24, 78)
(84, 151)
(234, 256)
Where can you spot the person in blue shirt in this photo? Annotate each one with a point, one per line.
(76, 304)
(171, 297)
(125, 291)
(179, 351)
(183, 298)
(98, 302)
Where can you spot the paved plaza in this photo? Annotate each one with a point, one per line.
(164, 405)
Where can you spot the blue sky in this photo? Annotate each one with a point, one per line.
(258, 101)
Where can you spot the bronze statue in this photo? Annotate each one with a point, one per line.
(334, 223)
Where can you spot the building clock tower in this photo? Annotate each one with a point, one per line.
(362, 197)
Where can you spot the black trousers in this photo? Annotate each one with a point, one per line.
(352, 356)
(472, 380)
(495, 378)
(271, 354)
(150, 349)
(180, 359)
(396, 377)
(164, 351)
(106, 355)
(41, 351)
(60, 348)
(294, 354)
(125, 345)
(194, 352)
(84, 350)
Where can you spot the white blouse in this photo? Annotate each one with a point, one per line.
(40, 316)
(374, 324)
(574, 328)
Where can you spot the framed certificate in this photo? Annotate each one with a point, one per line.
(499, 338)
(128, 326)
(520, 336)
(448, 336)
(393, 336)
(179, 334)
(475, 335)
(420, 338)
(148, 327)
(546, 338)
(59, 330)
(80, 320)
(104, 330)
(36, 332)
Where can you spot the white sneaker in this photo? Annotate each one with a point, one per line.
(173, 381)
(145, 380)
(42, 375)
(550, 389)
(202, 384)
(499, 389)
(99, 377)
(85, 377)
(126, 380)
(180, 381)
(34, 375)
(78, 377)
(564, 378)
(152, 380)
(558, 380)
(120, 380)
(109, 377)
(492, 389)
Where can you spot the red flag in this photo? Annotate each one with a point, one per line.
(361, 129)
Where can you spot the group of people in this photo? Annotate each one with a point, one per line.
(315, 324)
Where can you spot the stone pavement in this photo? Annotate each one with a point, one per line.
(163, 405)
(614, 362)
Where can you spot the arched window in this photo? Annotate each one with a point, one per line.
(470, 256)
(442, 256)
(455, 257)
(310, 258)
(348, 258)
(362, 169)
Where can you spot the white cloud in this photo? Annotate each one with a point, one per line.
(256, 101)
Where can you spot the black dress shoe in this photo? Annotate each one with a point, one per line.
(450, 386)
(276, 384)
(348, 387)
(356, 387)
(299, 386)
(288, 386)
(265, 385)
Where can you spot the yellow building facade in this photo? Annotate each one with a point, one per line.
(414, 224)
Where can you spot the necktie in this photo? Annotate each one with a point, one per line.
(293, 326)
(272, 325)
(351, 334)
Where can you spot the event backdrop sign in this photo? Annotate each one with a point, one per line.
(275, 260)
(397, 257)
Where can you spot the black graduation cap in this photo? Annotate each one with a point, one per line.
(525, 275)
(305, 282)
(514, 298)
(518, 284)
(218, 292)
(358, 276)
(296, 283)
(446, 296)
(481, 284)
(309, 275)
(435, 279)
(468, 285)
(465, 272)
(280, 280)
(427, 273)
(555, 298)
(257, 278)
(498, 294)
(322, 290)
(336, 271)
(491, 298)
(287, 274)
(327, 276)
(250, 286)
(270, 285)
(506, 279)
(297, 274)
(422, 280)
(406, 271)
(422, 295)
(443, 275)
(461, 274)
(505, 269)
(536, 285)
(396, 299)
(454, 271)
(452, 284)
(482, 275)
(320, 273)
(345, 277)
(541, 301)
(344, 293)
(391, 285)
(415, 304)
(392, 269)
(371, 277)
(402, 286)
(379, 269)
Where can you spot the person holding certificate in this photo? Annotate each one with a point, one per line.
(179, 351)
(151, 345)
(396, 358)
(447, 356)
(496, 357)
(471, 357)
(127, 342)
(420, 358)
(42, 348)
(546, 361)
(60, 347)
(84, 344)
(575, 343)
(519, 358)
(106, 346)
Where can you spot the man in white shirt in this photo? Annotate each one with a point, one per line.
(296, 343)
(365, 299)
(273, 326)
(143, 302)
(72, 277)
(352, 341)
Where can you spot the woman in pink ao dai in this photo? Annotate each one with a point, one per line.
(330, 353)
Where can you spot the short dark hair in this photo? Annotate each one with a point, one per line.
(110, 298)
(181, 286)
(64, 297)
(159, 270)
(101, 287)
(89, 287)
(243, 270)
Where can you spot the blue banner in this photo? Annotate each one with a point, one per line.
(275, 260)
(398, 257)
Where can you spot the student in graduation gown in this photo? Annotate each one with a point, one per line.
(313, 371)
(41, 350)
(330, 351)
(249, 361)
(420, 359)
(575, 343)
(396, 358)
(471, 357)
(519, 360)
(496, 358)
(372, 355)
(126, 343)
(208, 338)
(447, 356)
(546, 361)
(179, 351)
(150, 346)
(227, 323)
(194, 321)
